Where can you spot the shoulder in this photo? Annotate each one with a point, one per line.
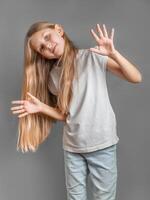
(82, 52)
(87, 52)
(94, 58)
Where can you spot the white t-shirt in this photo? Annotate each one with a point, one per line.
(91, 122)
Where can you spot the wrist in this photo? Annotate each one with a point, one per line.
(41, 107)
(113, 54)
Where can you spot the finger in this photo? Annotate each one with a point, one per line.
(99, 30)
(94, 35)
(96, 49)
(18, 102)
(112, 34)
(19, 111)
(22, 115)
(33, 97)
(17, 107)
(105, 31)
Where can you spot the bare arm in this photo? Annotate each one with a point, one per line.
(117, 63)
(120, 66)
(52, 112)
(34, 105)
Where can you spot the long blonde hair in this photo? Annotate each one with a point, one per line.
(33, 129)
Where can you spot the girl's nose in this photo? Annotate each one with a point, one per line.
(49, 46)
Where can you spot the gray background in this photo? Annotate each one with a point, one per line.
(40, 175)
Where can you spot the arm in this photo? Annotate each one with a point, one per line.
(52, 112)
(34, 105)
(120, 66)
(116, 62)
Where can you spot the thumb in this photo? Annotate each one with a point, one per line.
(32, 97)
(95, 49)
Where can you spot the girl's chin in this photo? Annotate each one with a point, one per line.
(58, 51)
(58, 54)
(54, 56)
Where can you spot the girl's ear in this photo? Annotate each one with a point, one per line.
(59, 29)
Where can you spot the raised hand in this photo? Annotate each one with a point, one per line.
(105, 44)
(27, 106)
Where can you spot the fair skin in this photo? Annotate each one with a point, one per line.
(48, 42)
(117, 64)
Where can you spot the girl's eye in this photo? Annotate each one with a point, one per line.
(42, 47)
(46, 37)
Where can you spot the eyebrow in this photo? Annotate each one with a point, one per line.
(40, 44)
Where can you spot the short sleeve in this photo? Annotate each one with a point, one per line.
(100, 60)
(104, 62)
(51, 86)
(54, 77)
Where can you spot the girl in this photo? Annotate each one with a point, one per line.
(62, 82)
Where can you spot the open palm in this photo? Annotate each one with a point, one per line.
(105, 44)
(27, 106)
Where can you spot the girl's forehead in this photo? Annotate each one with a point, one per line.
(36, 38)
(40, 33)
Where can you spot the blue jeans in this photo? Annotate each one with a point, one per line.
(100, 165)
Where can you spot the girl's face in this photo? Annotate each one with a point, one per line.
(49, 42)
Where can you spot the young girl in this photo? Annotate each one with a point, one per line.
(62, 82)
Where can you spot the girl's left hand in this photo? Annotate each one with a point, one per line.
(105, 44)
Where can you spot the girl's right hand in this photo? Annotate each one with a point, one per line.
(27, 106)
